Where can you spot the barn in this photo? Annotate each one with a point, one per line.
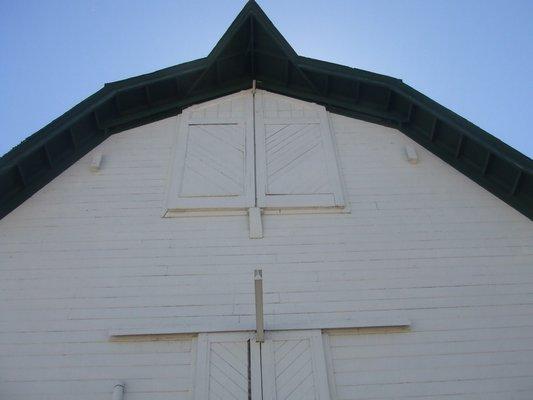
(256, 224)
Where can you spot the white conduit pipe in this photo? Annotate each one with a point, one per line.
(118, 391)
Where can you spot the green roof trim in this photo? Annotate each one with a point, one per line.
(252, 48)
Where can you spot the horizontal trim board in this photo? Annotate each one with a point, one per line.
(299, 322)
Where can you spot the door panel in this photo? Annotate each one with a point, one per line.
(227, 367)
(214, 161)
(228, 371)
(213, 165)
(295, 162)
(295, 156)
(294, 367)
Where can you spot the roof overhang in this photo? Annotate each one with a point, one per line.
(253, 49)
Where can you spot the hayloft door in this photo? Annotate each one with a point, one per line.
(295, 156)
(213, 165)
(254, 149)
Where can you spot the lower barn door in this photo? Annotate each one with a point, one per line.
(294, 366)
(228, 367)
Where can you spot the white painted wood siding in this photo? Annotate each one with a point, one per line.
(90, 252)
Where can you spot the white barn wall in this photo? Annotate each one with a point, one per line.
(90, 252)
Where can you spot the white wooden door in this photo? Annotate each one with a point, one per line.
(288, 365)
(295, 157)
(213, 165)
(227, 367)
(229, 157)
(294, 366)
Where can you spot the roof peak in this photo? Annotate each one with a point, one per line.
(253, 48)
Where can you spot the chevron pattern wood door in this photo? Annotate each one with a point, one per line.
(293, 366)
(227, 367)
(228, 371)
(229, 157)
(289, 365)
(295, 163)
(214, 161)
(295, 156)
(213, 166)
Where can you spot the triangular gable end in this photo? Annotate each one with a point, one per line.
(252, 48)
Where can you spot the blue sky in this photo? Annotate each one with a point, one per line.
(474, 57)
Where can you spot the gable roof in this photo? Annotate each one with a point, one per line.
(252, 48)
